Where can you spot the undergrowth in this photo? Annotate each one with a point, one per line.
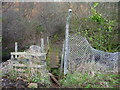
(99, 80)
(91, 75)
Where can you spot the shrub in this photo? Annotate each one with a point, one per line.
(101, 32)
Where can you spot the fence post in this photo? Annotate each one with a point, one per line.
(66, 43)
(62, 57)
(48, 43)
(42, 45)
(16, 48)
(12, 56)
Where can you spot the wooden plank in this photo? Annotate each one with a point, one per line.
(53, 78)
(19, 65)
(26, 53)
(20, 70)
(18, 53)
(23, 65)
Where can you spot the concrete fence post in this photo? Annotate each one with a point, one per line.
(67, 43)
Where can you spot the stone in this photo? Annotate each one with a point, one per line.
(35, 48)
(32, 85)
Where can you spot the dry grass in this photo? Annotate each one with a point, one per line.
(93, 67)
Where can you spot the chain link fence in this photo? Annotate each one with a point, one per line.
(81, 49)
(80, 52)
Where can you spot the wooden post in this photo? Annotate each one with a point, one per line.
(12, 56)
(66, 43)
(42, 45)
(16, 48)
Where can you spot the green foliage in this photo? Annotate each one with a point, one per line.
(55, 37)
(48, 62)
(1, 19)
(105, 32)
(0, 38)
(31, 76)
(39, 29)
(96, 4)
(13, 74)
(37, 77)
(78, 80)
(97, 17)
(1, 74)
(40, 79)
(99, 31)
(58, 35)
(55, 71)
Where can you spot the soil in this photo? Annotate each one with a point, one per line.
(9, 83)
(20, 83)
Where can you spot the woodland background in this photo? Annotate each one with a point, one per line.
(27, 22)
